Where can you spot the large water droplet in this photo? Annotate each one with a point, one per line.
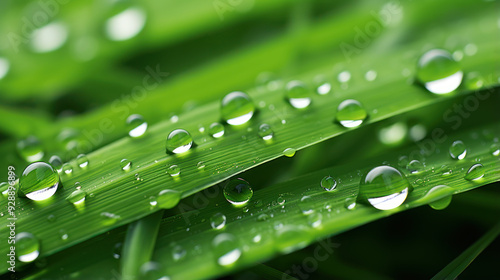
(384, 187)
(238, 191)
(179, 141)
(27, 247)
(82, 161)
(56, 163)
(298, 94)
(167, 199)
(226, 249)
(475, 172)
(265, 132)
(328, 183)
(351, 113)
(439, 72)
(77, 197)
(30, 149)
(218, 221)
(126, 24)
(174, 170)
(136, 125)
(39, 181)
(237, 108)
(125, 164)
(289, 152)
(216, 130)
(443, 193)
(67, 168)
(458, 150)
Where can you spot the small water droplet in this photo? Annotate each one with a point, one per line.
(152, 271)
(351, 113)
(446, 170)
(56, 163)
(306, 205)
(152, 201)
(384, 187)
(82, 161)
(328, 183)
(475, 172)
(39, 181)
(51, 218)
(237, 108)
(30, 149)
(178, 253)
(77, 197)
(371, 75)
(439, 72)
(238, 191)
(226, 249)
(415, 166)
(218, 221)
(265, 132)
(125, 164)
(168, 199)
(179, 141)
(136, 125)
(315, 220)
(458, 150)
(200, 165)
(117, 250)
(495, 149)
(174, 170)
(474, 81)
(27, 247)
(298, 94)
(63, 234)
(322, 86)
(109, 218)
(289, 152)
(216, 130)
(67, 168)
(125, 25)
(344, 76)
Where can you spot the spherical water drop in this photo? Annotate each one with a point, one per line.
(315, 220)
(351, 113)
(30, 149)
(415, 166)
(216, 130)
(443, 193)
(125, 25)
(439, 72)
(152, 201)
(56, 163)
(328, 183)
(350, 203)
(174, 170)
(125, 164)
(39, 181)
(117, 250)
(226, 249)
(475, 172)
(168, 199)
(266, 132)
(77, 197)
(238, 191)
(289, 152)
(322, 86)
(4, 188)
(67, 168)
(200, 165)
(344, 76)
(136, 125)
(237, 108)
(384, 187)
(27, 247)
(178, 253)
(218, 221)
(306, 205)
(82, 161)
(458, 150)
(298, 94)
(179, 141)
(495, 149)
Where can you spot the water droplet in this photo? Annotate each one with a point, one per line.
(475, 172)
(178, 253)
(82, 161)
(371, 75)
(125, 164)
(495, 149)
(265, 132)
(179, 141)
(117, 250)
(237, 108)
(30, 149)
(351, 113)
(152, 201)
(393, 134)
(174, 170)
(226, 249)
(27, 247)
(474, 81)
(109, 218)
(281, 199)
(136, 125)
(49, 37)
(446, 170)
(218, 221)
(442, 191)
(63, 234)
(152, 271)
(315, 220)
(289, 152)
(67, 168)
(458, 150)
(439, 72)
(125, 25)
(56, 163)
(4, 67)
(384, 187)
(51, 218)
(306, 205)
(322, 86)
(328, 183)
(291, 238)
(200, 165)
(77, 197)
(238, 191)
(415, 166)
(298, 94)
(168, 199)
(403, 161)
(216, 130)
(350, 203)
(263, 217)
(39, 181)
(344, 76)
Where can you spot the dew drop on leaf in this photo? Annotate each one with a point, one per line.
(265, 132)
(136, 125)
(384, 187)
(30, 149)
(298, 94)
(351, 113)
(82, 161)
(237, 108)
(218, 221)
(125, 164)
(238, 191)
(39, 181)
(328, 183)
(179, 141)
(458, 150)
(167, 199)
(56, 163)
(27, 247)
(216, 130)
(226, 249)
(475, 172)
(439, 72)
